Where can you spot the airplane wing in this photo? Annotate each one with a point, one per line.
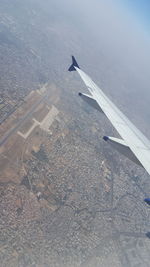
(133, 144)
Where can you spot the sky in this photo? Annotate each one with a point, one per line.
(116, 29)
(113, 48)
(141, 10)
(110, 41)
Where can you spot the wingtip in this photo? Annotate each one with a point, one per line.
(73, 65)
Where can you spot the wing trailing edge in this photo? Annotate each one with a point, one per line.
(122, 147)
(91, 101)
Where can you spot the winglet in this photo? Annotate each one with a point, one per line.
(74, 64)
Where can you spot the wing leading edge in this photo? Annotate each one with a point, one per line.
(137, 143)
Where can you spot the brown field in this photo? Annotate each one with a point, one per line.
(16, 151)
(10, 159)
(1, 106)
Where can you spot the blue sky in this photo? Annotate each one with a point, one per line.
(141, 10)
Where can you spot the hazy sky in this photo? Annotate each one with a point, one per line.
(110, 41)
(116, 29)
(114, 47)
(141, 10)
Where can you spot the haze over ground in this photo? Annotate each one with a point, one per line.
(91, 211)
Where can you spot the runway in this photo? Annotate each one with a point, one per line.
(8, 134)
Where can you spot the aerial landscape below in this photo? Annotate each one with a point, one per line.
(67, 199)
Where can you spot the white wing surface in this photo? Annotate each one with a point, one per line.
(137, 143)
